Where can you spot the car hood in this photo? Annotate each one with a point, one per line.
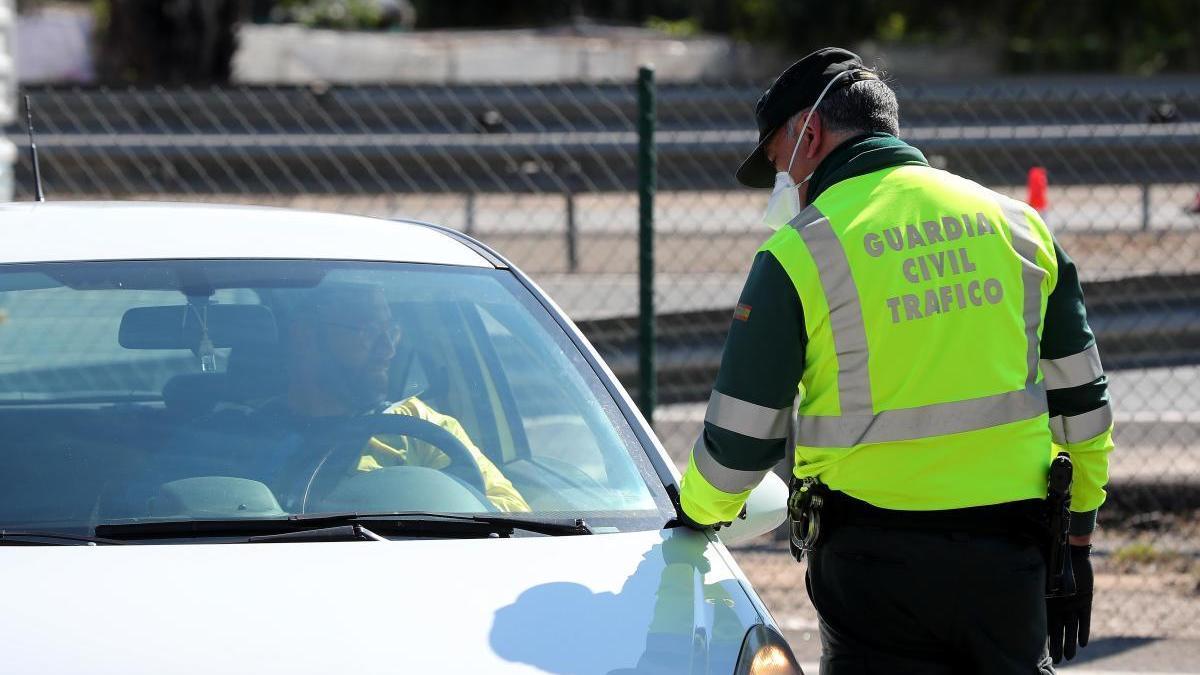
(645, 602)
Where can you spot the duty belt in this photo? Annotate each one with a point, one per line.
(806, 503)
(814, 510)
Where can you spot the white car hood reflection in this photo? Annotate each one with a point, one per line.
(650, 602)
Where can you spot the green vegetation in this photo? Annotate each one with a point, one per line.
(1143, 554)
(677, 28)
(1105, 36)
(1140, 553)
(1127, 36)
(338, 14)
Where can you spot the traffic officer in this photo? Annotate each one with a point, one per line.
(933, 337)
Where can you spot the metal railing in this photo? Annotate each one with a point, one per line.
(548, 174)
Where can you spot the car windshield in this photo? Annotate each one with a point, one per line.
(143, 391)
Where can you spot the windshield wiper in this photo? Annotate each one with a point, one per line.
(41, 538)
(405, 524)
(504, 525)
(336, 533)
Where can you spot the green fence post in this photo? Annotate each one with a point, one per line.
(647, 386)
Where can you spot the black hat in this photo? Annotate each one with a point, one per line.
(794, 90)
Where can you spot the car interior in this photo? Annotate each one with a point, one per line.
(94, 460)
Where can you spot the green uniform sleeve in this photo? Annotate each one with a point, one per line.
(746, 423)
(1077, 393)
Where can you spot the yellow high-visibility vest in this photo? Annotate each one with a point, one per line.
(923, 298)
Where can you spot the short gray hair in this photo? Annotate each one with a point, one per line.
(864, 107)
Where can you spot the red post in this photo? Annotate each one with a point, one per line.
(1037, 188)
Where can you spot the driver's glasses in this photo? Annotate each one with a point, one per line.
(370, 333)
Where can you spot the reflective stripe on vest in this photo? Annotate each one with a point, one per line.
(858, 422)
(1031, 280)
(1079, 428)
(746, 418)
(731, 481)
(1074, 370)
(845, 313)
(906, 424)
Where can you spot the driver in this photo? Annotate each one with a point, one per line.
(339, 350)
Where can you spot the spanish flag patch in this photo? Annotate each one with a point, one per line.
(741, 312)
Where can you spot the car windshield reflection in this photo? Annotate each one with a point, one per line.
(207, 390)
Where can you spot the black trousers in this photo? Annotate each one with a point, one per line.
(910, 601)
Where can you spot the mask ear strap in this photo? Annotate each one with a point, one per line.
(855, 76)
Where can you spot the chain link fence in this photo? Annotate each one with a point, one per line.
(548, 175)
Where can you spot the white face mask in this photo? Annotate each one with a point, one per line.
(784, 204)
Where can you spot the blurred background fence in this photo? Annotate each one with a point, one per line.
(548, 175)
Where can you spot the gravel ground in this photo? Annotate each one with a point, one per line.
(1143, 596)
(1157, 599)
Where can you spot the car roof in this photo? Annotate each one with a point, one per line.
(75, 231)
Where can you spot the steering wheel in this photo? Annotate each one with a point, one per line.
(345, 442)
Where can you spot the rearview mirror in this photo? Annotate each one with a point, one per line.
(766, 509)
(178, 326)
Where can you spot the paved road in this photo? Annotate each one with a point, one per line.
(1104, 656)
(1106, 228)
(1173, 657)
(689, 137)
(1070, 208)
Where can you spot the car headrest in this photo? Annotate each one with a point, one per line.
(407, 375)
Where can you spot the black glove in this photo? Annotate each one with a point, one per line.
(1070, 618)
(685, 519)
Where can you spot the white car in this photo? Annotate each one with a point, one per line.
(197, 474)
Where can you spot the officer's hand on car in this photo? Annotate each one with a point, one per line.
(1070, 618)
(711, 527)
(687, 520)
